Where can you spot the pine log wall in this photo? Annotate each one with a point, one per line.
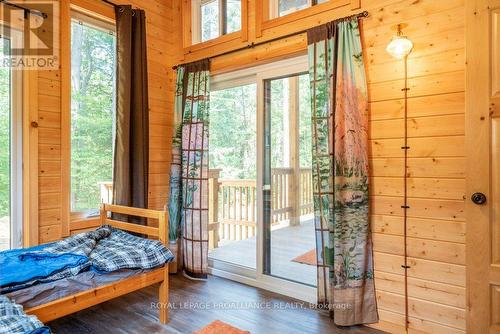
(436, 224)
(158, 27)
(436, 130)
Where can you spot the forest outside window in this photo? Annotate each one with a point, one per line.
(281, 8)
(214, 18)
(93, 73)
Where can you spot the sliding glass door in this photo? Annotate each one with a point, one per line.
(260, 185)
(10, 152)
(233, 172)
(289, 242)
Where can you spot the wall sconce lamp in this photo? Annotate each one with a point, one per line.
(400, 46)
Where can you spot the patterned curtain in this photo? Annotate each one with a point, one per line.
(188, 201)
(340, 173)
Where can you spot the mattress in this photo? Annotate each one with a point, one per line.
(44, 293)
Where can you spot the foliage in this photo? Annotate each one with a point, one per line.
(209, 21)
(279, 109)
(92, 113)
(233, 114)
(289, 6)
(5, 154)
(233, 15)
(93, 73)
(210, 18)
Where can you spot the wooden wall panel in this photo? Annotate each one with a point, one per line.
(158, 28)
(436, 166)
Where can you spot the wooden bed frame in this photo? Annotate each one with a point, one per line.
(74, 303)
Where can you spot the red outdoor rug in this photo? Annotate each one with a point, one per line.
(307, 258)
(219, 327)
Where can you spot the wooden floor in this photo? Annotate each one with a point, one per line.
(286, 244)
(196, 304)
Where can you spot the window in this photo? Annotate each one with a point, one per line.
(11, 105)
(93, 63)
(214, 18)
(284, 7)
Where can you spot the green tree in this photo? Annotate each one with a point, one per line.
(92, 113)
(5, 132)
(233, 114)
(233, 138)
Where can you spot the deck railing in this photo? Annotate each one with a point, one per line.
(233, 208)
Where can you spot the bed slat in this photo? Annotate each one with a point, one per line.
(150, 231)
(146, 213)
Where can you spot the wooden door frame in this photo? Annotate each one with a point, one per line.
(478, 133)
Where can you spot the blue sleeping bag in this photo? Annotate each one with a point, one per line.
(29, 265)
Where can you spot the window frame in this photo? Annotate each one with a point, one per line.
(17, 106)
(274, 11)
(191, 22)
(197, 19)
(17, 131)
(100, 15)
(262, 28)
(269, 22)
(25, 202)
(105, 27)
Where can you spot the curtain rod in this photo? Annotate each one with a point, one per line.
(26, 9)
(110, 3)
(253, 45)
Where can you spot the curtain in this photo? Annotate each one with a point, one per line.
(340, 173)
(131, 153)
(188, 200)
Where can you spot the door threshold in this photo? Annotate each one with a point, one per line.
(280, 286)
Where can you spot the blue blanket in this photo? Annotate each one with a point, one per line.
(34, 265)
(22, 268)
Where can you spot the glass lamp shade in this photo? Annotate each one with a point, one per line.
(399, 47)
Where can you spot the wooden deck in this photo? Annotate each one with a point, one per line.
(135, 313)
(286, 244)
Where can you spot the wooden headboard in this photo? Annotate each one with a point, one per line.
(160, 232)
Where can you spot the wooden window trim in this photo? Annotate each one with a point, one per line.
(214, 42)
(304, 13)
(96, 9)
(30, 158)
(187, 24)
(266, 29)
(274, 8)
(99, 11)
